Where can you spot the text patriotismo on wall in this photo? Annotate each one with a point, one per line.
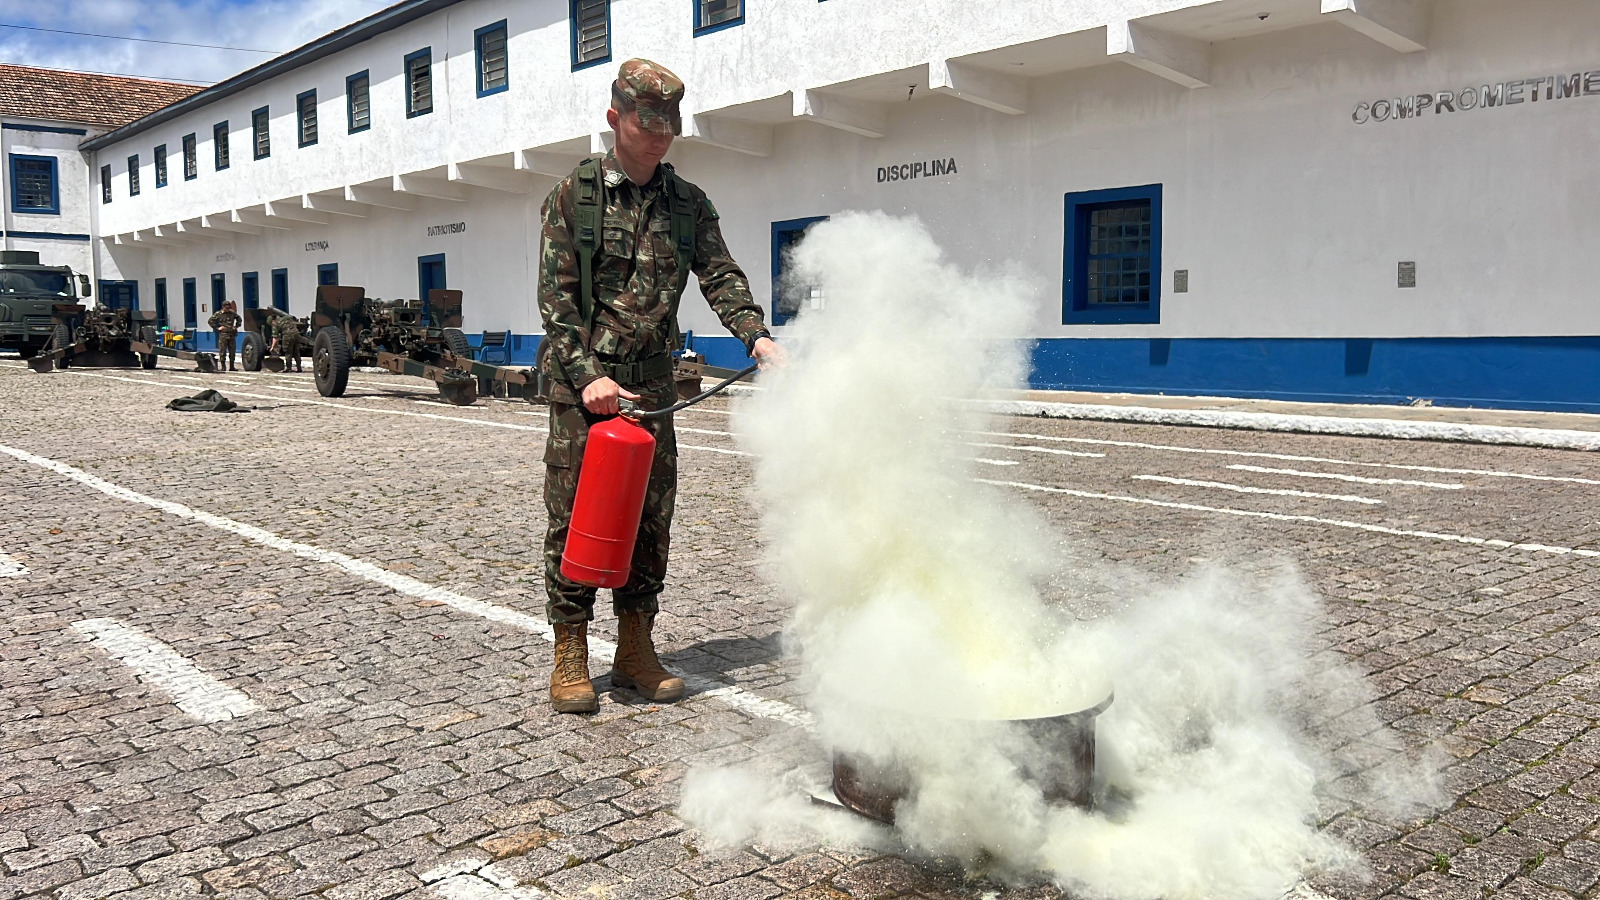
(914, 170)
(451, 228)
(1489, 96)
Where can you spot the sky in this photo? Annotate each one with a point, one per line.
(275, 25)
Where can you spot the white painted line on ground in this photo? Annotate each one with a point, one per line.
(1356, 479)
(200, 695)
(995, 462)
(11, 568)
(1255, 421)
(1246, 489)
(732, 695)
(1286, 457)
(1040, 450)
(1313, 520)
(692, 409)
(487, 423)
(678, 427)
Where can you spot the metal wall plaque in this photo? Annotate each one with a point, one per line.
(1180, 281)
(1408, 274)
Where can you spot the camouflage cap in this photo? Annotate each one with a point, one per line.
(654, 91)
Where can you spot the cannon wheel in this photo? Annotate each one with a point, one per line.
(330, 361)
(254, 350)
(60, 338)
(457, 342)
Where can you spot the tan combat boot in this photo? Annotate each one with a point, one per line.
(636, 665)
(570, 690)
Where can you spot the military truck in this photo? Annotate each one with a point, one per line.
(28, 293)
(257, 353)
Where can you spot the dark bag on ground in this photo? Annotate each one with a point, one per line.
(205, 401)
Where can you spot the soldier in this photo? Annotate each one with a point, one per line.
(621, 234)
(286, 340)
(225, 322)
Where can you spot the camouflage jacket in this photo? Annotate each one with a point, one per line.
(223, 320)
(285, 328)
(635, 276)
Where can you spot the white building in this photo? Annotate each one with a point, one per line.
(1309, 199)
(44, 115)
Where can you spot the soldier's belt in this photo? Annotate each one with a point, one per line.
(639, 371)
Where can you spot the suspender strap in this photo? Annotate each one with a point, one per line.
(591, 199)
(681, 204)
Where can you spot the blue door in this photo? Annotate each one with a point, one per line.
(250, 287)
(430, 277)
(161, 303)
(280, 289)
(191, 312)
(119, 294)
(328, 273)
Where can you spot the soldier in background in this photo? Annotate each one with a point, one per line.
(286, 340)
(225, 322)
(649, 229)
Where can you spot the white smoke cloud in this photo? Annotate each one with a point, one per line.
(931, 608)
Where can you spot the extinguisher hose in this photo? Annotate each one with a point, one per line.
(632, 411)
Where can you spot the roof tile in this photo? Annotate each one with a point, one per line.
(105, 100)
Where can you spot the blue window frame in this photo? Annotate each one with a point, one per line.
(35, 185)
(261, 133)
(305, 109)
(219, 144)
(493, 55)
(105, 184)
(250, 289)
(191, 158)
(1111, 273)
(191, 308)
(358, 101)
(591, 33)
(133, 175)
(280, 289)
(327, 273)
(790, 299)
(419, 83)
(159, 157)
(715, 15)
(161, 303)
(219, 291)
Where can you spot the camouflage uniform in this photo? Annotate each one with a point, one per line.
(635, 278)
(225, 322)
(287, 330)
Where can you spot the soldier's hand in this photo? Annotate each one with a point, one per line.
(769, 354)
(600, 396)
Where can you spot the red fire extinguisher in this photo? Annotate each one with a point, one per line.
(611, 489)
(610, 499)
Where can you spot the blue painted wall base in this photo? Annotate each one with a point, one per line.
(1560, 374)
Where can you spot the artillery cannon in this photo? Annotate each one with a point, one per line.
(256, 354)
(108, 338)
(407, 337)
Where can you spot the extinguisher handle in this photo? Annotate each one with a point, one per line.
(633, 411)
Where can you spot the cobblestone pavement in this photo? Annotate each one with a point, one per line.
(354, 586)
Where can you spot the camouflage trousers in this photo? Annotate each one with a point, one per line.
(290, 348)
(566, 601)
(225, 347)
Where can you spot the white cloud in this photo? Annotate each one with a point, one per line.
(277, 25)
